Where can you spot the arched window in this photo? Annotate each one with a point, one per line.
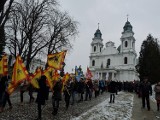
(100, 49)
(93, 62)
(125, 60)
(108, 62)
(126, 43)
(94, 49)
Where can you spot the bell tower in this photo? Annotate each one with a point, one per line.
(96, 48)
(97, 45)
(127, 38)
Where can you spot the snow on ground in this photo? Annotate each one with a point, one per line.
(152, 97)
(120, 110)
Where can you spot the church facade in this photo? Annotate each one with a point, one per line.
(111, 63)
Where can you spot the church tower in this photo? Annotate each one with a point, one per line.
(127, 38)
(96, 47)
(97, 43)
(128, 46)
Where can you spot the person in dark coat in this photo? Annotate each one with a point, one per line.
(5, 97)
(23, 88)
(30, 93)
(146, 90)
(96, 88)
(67, 93)
(73, 85)
(157, 94)
(89, 88)
(41, 96)
(2, 89)
(112, 90)
(80, 89)
(57, 96)
(101, 86)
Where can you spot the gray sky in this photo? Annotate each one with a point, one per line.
(144, 16)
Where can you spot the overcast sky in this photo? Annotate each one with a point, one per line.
(144, 16)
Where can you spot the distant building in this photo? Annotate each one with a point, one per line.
(114, 63)
(33, 65)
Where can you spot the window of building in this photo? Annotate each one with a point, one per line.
(100, 49)
(94, 48)
(125, 60)
(126, 43)
(93, 62)
(109, 61)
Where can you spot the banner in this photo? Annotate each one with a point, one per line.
(19, 71)
(56, 60)
(89, 74)
(65, 79)
(35, 77)
(4, 65)
(49, 75)
(78, 73)
(11, 88)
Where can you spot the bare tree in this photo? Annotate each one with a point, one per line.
(61, 30)
(5, 7)
(37, 25)
(26, 28)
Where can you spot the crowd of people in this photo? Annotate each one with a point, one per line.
(78, 91)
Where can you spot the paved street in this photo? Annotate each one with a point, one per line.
(126, 107)
(144, 114)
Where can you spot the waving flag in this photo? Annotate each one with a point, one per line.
(35, 77)
(11, 88)
(49, 74)
(4, 65)
(19, 71)
(56, 75)
(89, 74)
(56, 60)
(65, 79)
(78, 73)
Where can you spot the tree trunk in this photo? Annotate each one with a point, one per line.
(2, 40)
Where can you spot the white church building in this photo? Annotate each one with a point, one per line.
(111, 63)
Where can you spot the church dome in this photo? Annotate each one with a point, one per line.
(98, 34)
(127, 27)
